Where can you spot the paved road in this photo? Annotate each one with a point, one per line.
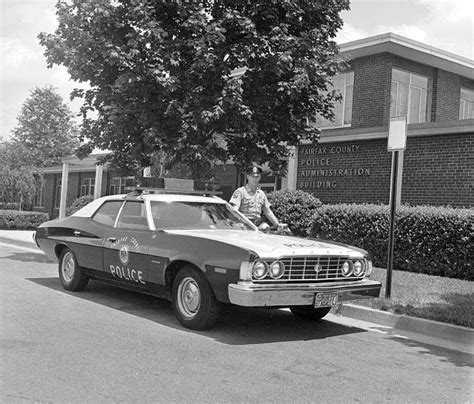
(111, 345)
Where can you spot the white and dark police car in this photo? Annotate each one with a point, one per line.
(198, 251)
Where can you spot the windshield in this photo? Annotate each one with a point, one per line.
(197, 215)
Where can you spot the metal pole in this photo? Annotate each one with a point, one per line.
(391, 235)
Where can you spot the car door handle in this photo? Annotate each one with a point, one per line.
(112, 239)
(77, 233)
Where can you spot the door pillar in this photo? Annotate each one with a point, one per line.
(63, 199)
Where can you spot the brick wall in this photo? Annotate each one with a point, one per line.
(447, 96)
(371, 95)
(438, 170)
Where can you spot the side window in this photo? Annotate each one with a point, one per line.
(133, 216)
(107, 213)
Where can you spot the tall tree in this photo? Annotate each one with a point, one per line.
(46, 130)
(162, 75)
(17, 184)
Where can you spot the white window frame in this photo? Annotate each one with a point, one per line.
(466, 103)
(38, 202)
(87, 186)
(340, 121)
(122, 181)
(423, 113)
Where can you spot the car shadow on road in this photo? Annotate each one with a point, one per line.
(39, 257)
(236, 326)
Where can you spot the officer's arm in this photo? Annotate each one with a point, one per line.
(270, 216)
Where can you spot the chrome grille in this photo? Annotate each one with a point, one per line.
(301, 269)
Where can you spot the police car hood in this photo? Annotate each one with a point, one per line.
(270, 245)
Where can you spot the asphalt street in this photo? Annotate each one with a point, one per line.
(110, 345)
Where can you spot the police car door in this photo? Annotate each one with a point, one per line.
(125, 252)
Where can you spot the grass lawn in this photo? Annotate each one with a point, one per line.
(431, 297)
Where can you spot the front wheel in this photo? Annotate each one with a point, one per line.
(309, 312)
(194, 302)
(70, 273)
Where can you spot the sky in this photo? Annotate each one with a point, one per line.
(444, 24)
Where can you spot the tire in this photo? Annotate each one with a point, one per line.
(70, 274)
(194, 302)
(309, 312)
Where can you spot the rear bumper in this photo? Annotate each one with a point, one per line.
(257, 295)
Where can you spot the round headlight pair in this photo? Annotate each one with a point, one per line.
(261, 269)
(357, 268)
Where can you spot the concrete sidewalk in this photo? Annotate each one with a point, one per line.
(463, 337)
(19, 236)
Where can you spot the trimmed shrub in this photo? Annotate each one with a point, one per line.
(15, 219)
(9, 205)
(430, 240)
(295, 208)
(78, 204)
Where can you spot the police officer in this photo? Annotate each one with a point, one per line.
(251, 201)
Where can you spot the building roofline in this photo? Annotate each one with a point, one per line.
(409, 49)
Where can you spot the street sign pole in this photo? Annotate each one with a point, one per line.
(391, 234)
(397, 135)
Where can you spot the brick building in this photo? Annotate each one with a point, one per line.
(388, 76)
(391, 76)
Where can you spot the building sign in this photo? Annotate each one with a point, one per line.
(329, 166)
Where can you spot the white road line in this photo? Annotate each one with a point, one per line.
(33, 250)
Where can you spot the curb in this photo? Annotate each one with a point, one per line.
(417, 325)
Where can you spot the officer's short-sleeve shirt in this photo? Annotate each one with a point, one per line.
(250, 205)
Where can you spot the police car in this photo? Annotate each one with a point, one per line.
(198, 251)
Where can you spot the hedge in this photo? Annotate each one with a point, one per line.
(15, 219)
(78, 204)
(296, 208)
(430, 240)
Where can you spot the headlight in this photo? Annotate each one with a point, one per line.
(358, 268)
(277, 269)
(259, 269)
(346, 268)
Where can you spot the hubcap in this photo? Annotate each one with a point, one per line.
(68, 267)
(189, 297)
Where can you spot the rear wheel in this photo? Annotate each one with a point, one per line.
(309, 312)
(194, 302)
(70, 273)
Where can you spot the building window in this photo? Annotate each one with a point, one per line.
(57, 196)
(466, 108)
(344, 83)
(118, 184)
(409, 96)
(39, 197)
(87, 186)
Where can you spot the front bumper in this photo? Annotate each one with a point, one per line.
(273, 295)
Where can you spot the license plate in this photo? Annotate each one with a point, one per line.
(325, 299)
